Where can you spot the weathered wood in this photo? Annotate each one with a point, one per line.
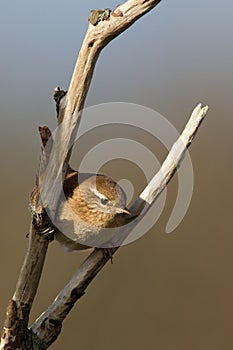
(54, 163)
(48, 325)
(15, 332)
(97, 37)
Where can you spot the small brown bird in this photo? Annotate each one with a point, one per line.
(91, 210)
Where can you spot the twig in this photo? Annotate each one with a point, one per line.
(161, 179)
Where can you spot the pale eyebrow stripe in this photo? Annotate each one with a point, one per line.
(98, 194)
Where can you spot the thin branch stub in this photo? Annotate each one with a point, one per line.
(98, 15)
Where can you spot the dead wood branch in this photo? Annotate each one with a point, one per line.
(48, 326)
(104, 27)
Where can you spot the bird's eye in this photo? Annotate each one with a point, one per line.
(104, 201)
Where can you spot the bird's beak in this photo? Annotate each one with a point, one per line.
(126, 211)
(122, 210)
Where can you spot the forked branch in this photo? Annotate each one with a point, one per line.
(48, 325)
(104, 27)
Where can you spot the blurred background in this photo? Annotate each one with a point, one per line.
(166, 291)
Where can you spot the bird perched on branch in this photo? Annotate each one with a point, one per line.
(90, 207)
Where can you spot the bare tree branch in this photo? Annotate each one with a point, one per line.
(97, 37)
(48, 325)
(15, 334)
(161, 179)
(104, 27)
